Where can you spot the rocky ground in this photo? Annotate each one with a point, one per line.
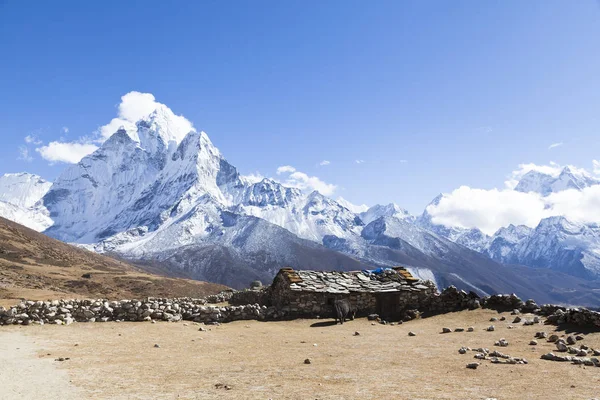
(298, 359)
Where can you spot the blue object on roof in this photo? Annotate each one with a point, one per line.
(375, 271)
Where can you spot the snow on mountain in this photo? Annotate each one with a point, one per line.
(160, 192)
(356, 209)
(389, 210)
(33, 218)
(544, 184)
(558, 244)
(311, 216)
(20, 200)
(23, 190)
(505, 240)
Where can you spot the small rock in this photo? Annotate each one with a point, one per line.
(491, 328)
(503, 318)
(533, 343)
(541, 335)
(411, 333)
(553, 338)
(516, 320)
(202, 329)
(473, 365)
(536, 320)
(157, 345)
(446, 330)
(571, 340)
(502, 343)
(470, 329)
(307, 361)
(579, 337)
(356, 333)
(493, 319)
(463, 350)
(459, 330)
(372, 317)
(560, 346)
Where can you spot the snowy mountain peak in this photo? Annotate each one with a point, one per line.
(22, 189)
(388, 210)
(546, 183)
(20, 200)
(356, 209)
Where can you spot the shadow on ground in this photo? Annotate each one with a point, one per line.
(323, 324)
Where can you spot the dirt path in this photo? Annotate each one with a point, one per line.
(25, 375)
(266, 360)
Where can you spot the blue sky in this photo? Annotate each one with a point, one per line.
(431, 95)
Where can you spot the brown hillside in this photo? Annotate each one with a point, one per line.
(36, 267)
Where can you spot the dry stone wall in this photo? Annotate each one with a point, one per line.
(425, 302)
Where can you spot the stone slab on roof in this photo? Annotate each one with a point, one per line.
(390, 281)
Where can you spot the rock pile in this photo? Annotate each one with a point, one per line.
(558, 315)
(495, 357)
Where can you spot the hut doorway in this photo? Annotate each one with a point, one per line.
(388, 305)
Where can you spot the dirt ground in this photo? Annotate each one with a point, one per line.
(265, 360)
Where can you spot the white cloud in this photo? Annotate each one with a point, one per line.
(253, 177)
(70, 153)
(359, 161)
(133, 107)
(581, 206)
(303, 181)
(554, 145)
(32, 139)
(490, 210)
(285, 169)
(24, 154)
(106, 131)
(596, 164)
(324, 162)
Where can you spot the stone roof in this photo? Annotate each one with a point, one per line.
(391, 280)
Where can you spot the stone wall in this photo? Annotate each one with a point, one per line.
(68, 311)
(260, 296)
(577, 316)
(285, 304)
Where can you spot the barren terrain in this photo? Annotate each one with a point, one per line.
(36, 267)
(262, 360)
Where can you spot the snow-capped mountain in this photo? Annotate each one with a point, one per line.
(544, 184)
(159, 192)
(24, 190)
(502, 244)
(20, 200)
(389, 210)
(556, 243)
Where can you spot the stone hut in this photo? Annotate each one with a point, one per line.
(387, 292)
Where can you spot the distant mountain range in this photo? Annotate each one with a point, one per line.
(163, 196)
